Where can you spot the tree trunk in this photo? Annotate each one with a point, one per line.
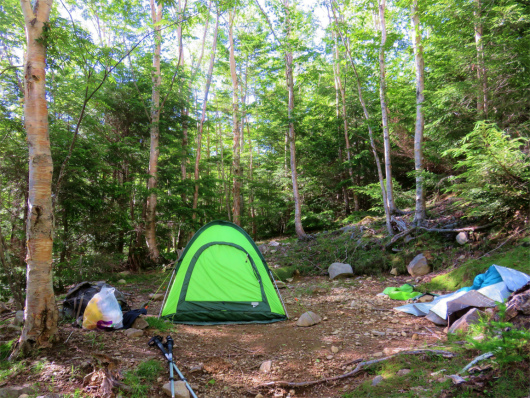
(203, 117)
(41, 315)
(236, 211)
(367, 118)
(384, 109)
(419, 216)
(150, 214)
(482, 97)
(292, 140)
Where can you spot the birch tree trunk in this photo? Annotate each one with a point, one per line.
(482, 97)
(203, 116)
(236, 211)
(41, 315)
(150, 213)
(384, 109)
(419, 216)
(292, 140)
(367, 119)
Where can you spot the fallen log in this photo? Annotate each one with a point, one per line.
(358, 368)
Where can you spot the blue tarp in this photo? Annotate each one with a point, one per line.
(496, 283)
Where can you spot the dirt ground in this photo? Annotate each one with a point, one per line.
(224, 360)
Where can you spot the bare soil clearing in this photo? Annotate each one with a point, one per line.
(224, 360)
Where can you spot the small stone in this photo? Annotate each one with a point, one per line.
(15, 391)
(377, 333)
(140, 323)
(157, 297)
(395, 321)
(159, 379)
(415, 337)
(394, 271)
(403, 372)
(418, 266)
(353, 304)
(334, 349)
(325, 318)
(121, 282)
(265, 367)
(274, 243)
(404, 334)
(308, 318)
(197, 368)
(259, 396)
(291, 392)
(329, 357)
(18, 320)
(471, 317)
(134, 333)
(357, 343)
(125, 273)
(280, 284)
(180, 389)
(376, 380)
(461, 238)
(378, 354)
(23, 396)
(336, 270)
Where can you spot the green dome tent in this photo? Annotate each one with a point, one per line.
(222, 277)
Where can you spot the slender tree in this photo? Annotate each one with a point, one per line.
(419, 217)
(203, 115)
(482, 96)
(41, 315)
(384, 109)
(236, 147)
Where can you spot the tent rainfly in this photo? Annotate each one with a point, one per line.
(222, 277)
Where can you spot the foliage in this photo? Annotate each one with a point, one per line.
(496, 172)
(142, 378)
(159, 324)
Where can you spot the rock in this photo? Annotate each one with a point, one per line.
(3, 308)
(15, 391)
(377, 333)
(125, 273)
(340, 270)
(180, 389)
(259, 396)
(334, 349)
(308, 318)
(353, 304)
(394, 272)
(426, 298)
(18, 320)
(520, 303)
(415, 337)
(418, 266)
(263, 248)
(462, 324)
(274, 243)
(461, 238)
(265, 367)
(280, 284)
(140, 323)
(134, 333)
(376, 380)
(378, 354)
(403, 372)
(197, 368)
(329, 357)
(122, 282)
(347, 228)
(157, 297)
(24, 396)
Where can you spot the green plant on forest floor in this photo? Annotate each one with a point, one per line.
(141, 379)
(159, 324)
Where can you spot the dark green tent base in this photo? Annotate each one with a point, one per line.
(209, 318)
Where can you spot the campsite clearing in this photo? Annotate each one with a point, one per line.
(225, 360)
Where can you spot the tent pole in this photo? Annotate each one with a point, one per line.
(279, 295)
(167, 290)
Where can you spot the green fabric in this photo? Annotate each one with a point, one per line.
(404, 292)
(221, 266)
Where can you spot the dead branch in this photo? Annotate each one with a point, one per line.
(475, 228)
(398, 237)
(352, 362)
(358, 368)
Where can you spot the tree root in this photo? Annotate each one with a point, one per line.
(358, 368)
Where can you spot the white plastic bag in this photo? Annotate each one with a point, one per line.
(103, 311)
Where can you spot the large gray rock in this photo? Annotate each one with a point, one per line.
(418, 266)
(337, 270)
(376, 380)
(471, 317)
(15, 392)
(180, 389)
(308, 318)
(461, 238)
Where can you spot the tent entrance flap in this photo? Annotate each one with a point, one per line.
(222, 281)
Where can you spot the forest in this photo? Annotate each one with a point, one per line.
(125, 126)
